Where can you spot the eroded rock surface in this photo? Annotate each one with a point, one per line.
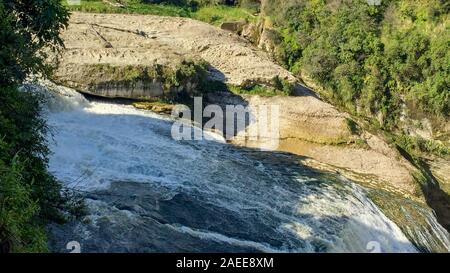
(93, 41)
(308, 126)
(315, 129)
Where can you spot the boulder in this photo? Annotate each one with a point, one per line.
(269, 40)
(235, 27)
(251, 32)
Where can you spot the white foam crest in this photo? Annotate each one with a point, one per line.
(217, 237)
(369, 224)
(57, 98)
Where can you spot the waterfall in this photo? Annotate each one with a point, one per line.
(149, 193)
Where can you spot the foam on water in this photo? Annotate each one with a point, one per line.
(264, 203)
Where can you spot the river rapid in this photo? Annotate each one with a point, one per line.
(147, 192)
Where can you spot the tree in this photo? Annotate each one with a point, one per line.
(30, 197)
(26, 27)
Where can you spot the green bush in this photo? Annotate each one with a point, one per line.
(219, 14)
(29, 196)
(416, 145)
(369, 58)
(18, 230)
(133, 6)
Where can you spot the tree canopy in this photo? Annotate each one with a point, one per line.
(30, 197)
(370, 58)
(26, 27)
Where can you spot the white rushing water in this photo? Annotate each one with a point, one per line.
(152, 193)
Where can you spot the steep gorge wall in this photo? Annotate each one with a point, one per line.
(116, 55)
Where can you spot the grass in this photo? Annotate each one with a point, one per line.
(418, 146)
(277, 87)
(264, 91)
(216, 15)
(256, 90)
(210, 14)
(131, 6)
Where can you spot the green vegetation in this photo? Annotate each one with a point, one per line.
(29, 196)
(255, 90)
(130, 6)
(353, 126)
(200, 10)
(277, 87)
(266, 91)
(187, 73)
(158, 106)
(417, 146)
(218, 14)
(368, 58)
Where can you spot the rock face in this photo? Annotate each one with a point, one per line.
(93, 79)
(251, 32)
(302, 117)
(268, 40)
(119, 41)
(315, 129)
(261, 34)
(112, 62)
(115, 55)
(132, 81)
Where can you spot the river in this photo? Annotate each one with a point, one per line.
(147, 192)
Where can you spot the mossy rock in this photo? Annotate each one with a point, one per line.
(155, 106)
(135, 81)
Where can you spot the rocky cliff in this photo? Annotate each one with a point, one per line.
(117, 55)
(135, 56)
